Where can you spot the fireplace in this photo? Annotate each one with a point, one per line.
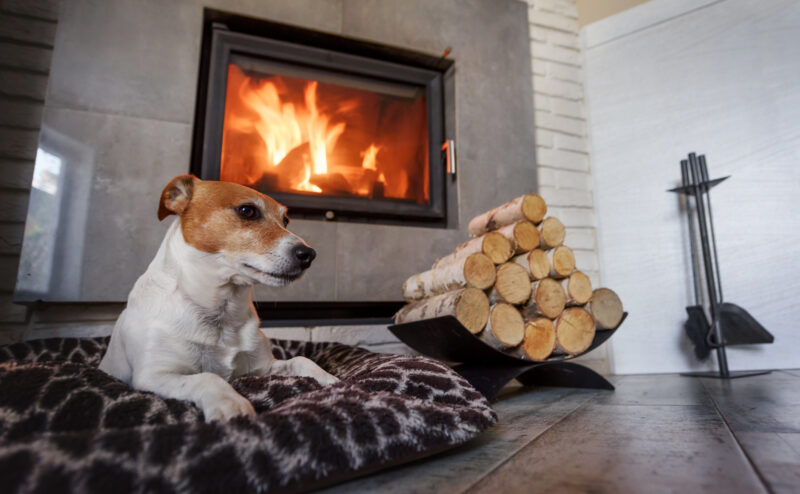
(331, 127)
(128, 115)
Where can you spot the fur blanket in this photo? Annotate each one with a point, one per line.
(65, 426)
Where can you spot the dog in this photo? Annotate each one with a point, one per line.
(190, 324)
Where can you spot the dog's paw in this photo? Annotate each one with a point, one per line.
(227, 406)
(326, 379)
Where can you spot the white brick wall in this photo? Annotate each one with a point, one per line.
(562, 144)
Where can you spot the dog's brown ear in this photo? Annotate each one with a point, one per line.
(176, 196)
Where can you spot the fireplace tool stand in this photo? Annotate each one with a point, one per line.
(489, 369)
(730, 323)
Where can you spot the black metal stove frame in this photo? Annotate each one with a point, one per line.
(229, 36)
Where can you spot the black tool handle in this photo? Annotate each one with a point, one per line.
(686, 181)
(707, 262)
(704, 175)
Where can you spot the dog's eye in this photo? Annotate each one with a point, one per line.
(285, 221)
(248, 212)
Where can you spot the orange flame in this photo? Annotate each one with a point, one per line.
(280, 135)
(370, 156)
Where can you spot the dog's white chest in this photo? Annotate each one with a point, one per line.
(225, 347)
(216, 359)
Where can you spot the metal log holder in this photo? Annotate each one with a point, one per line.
(489, 369)
(730, 324)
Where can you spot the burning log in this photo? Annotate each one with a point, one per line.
(523, 236)
(475, 270)
(529, 207)
(578, 288)
(539, 340)
(551, 233)
(334, 184)
(574, 331)
(469, 305)
(562, 261)
(505, 328)
(293, 167)
(536, 262)
(606, 308)
(548, 299)
(493, 244)
(513, 285)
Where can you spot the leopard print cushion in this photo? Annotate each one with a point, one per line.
(66, 426)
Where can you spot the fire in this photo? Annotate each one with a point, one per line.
(280, 134)
(370, 155)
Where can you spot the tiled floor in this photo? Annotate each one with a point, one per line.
(655, 433)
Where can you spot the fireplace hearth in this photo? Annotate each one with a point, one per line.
(331, 127)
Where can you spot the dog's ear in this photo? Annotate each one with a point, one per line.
(176, 196)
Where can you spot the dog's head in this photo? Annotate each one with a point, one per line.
(244, 228)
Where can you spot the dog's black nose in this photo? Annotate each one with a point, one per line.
(305, 255)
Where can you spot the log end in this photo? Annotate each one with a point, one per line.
(563, 261)
(507, 324)
(533, 207)
(513, 283)
(574, 331)
(606, 308)
(497, 247)
(472, 310)
(479, 271)
(552, 233)
(579, 288)
(526, 236)
(549, 297)
(540, 339)
(539, 264)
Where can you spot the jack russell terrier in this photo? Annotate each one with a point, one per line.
(190, 324)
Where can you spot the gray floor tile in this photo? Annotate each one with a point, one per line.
(768, 403)
(656, 389)
(615, 448)
(776, 456)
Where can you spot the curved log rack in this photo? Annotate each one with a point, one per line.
(489, 369)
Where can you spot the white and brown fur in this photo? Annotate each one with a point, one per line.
(190, 325)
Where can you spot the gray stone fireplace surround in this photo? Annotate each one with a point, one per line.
(119, 114)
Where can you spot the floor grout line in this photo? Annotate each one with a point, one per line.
(750, 460)
(533, 440)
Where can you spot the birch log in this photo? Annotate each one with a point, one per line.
(529, 207)
(547, 299)
(523, 236)
(469, 305)
(606, 308)
(535, 262)
(513, 285)
(539, 341)
(505, 328)
(578, 288)
(476, 270)
(551, 233)
(493, 244)
(562, 261)
(574, 331)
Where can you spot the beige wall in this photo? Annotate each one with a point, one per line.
(593, 10)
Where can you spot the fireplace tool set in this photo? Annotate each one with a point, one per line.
(729, 324)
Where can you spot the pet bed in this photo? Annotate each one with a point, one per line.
(66, 426)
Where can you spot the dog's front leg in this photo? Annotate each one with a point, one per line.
(301, 367)
(215, 397)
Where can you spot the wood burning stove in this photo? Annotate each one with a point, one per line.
(331, 127)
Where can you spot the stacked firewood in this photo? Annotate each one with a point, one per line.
(515, 286)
